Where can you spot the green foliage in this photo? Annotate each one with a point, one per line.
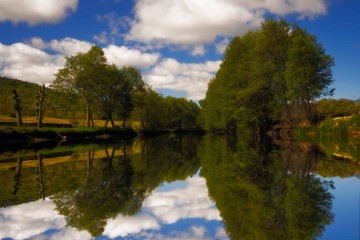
(263, 74)
(263, 193)
(337, 107)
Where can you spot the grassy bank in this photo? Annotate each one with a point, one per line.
(57, 130)
(337, 137)
(331, 128)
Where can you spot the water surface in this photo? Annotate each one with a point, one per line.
(181, 187)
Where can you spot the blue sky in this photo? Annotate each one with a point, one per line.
(177, 44)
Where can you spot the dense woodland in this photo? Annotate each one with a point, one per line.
(268, 76)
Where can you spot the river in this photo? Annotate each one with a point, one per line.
(181, 187)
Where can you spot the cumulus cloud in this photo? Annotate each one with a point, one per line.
(124, 56)
(192, 78)
(197, 22)
(24, 62)
(69, 46)
(36, 11)
(31, 61)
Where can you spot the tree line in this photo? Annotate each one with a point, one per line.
(89, 84)
(268, 76)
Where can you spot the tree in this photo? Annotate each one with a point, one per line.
(308, 70)
(263, 74)
(109, 91)
(150, 110)
(132, 83)
(81, 73)
(39, 105)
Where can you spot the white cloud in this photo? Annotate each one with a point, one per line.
(198, 50)
(189, 22)
(28, 63)
(36, 11)
(123, 56)
(190, 77)
(221, 234)
(66, 46)
(221, 46)
(123, 226)
(69, 46)
(101, 38)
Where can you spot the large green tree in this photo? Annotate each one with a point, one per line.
(81, 73)
(263, 74)
(308, 70)
(131, 86)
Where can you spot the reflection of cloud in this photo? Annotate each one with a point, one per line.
(189, 202)
(34, 219)
(194, 233)
(29, 219)
(123, 226)
(66, 233)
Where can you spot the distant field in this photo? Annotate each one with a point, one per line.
(75, 122)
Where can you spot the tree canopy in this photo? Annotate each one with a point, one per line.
(266, 76)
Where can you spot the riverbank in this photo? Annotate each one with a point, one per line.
(10, 135)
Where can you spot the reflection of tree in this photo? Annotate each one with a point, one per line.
(307, 205)
(259, 195)
(120, 184)
(106, 192)
(17, 176)
(41, 185)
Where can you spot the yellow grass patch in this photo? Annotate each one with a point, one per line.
(74, 122)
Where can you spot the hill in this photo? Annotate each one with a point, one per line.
(56, 103)
(26, 90)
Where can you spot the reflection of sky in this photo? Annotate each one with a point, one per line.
(181, 210)
(346, 206)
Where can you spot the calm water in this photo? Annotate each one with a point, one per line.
(188, 187)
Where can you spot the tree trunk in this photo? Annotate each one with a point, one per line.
(17, 107)
(87, 115)
(110, 118)
(41, 180)
(91, 119)
(41, 100)
(124, 122)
